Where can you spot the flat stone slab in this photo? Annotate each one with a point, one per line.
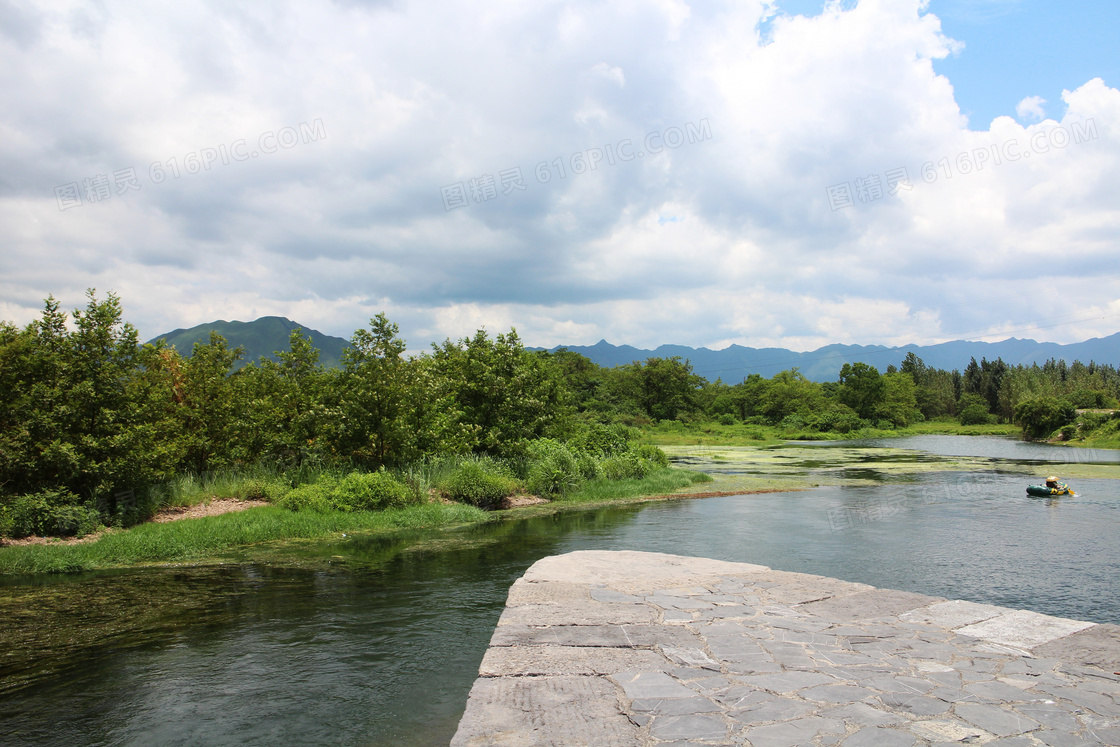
(633, 648)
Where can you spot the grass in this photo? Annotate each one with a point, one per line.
(212, 536)
(215, 537)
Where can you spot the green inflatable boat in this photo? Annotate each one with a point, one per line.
(1046, 490)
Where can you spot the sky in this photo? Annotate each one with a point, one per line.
(789, 173)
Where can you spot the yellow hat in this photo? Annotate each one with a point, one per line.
(1051, 478)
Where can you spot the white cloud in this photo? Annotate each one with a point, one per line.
(1031, 109)
(725, 238)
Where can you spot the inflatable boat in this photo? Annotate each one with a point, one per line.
(1044, 490)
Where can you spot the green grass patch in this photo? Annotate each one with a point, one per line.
(212, 536)
(659, 482)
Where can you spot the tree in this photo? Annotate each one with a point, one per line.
(666, 387)
(1041, 416)
(282, 405)
(790, 393)
(391, 410)
(504, 394)
(861, 388)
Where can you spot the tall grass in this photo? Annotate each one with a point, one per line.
(659, 482)
(211, 536)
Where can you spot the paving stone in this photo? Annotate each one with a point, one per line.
(791, 733)
(1012, 742)
(726, 611)
(1098, 647)
(878, 736)
(1063, 739)
(603, 594)
(911, 685)
(556, 660)
(755, 666)
(644, 685)
(919, 705)
(671, 616)
(741, 697)
(786, 682)
(779, 709)
(953, 614)
(994, 719)
(1098, 703)
(699, 727)
(585, 614)
(690, 657)
(837, 693)
(1050, 715)
(943, 730)
(1000, 691)
(544, 711)
(869, 604)
(861, 713)
(1021, 628)
(674, 706)
(613, 636)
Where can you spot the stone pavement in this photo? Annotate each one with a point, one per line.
(631, 648)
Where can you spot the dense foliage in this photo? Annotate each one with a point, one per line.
(93, 425)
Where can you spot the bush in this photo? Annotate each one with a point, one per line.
(792, 423)
(553, 469)
(625, 466)
(479, 484)
(652, 454)
(974, 414)
(357, 491)
(312, 497)
(258, 489)
(1041, 416)
(840, 419)
(372, 491)
(727, 419)
(49, 514)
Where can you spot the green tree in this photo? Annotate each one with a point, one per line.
(790, 393)
(391, 410)
(1041, 416)
(505, 394)
(861, 388)
(666, 387)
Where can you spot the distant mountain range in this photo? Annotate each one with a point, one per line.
(261, 338)
(734, 363)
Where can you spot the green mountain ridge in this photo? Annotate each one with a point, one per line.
(261, 338)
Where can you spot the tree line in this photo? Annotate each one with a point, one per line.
(90, 417)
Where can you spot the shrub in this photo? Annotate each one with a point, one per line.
(839, 419)
(792, 423)
(49, 514)
(625, 466)
(727, 419)
(372, 491)
(312, 497)
(974, 414)
(479, 484)
(600, 440)
(652, 454)
(1041, 416)
(553, 469)
(258, 489)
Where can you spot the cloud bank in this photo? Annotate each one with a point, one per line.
(646, 171)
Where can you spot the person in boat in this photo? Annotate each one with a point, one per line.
(1052, 482)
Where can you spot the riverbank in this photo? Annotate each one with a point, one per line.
(261, 532)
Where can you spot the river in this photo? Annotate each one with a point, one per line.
(383, 648)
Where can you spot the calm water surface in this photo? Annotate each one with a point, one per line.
(385, 650)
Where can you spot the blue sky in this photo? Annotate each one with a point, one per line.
(872, 172)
